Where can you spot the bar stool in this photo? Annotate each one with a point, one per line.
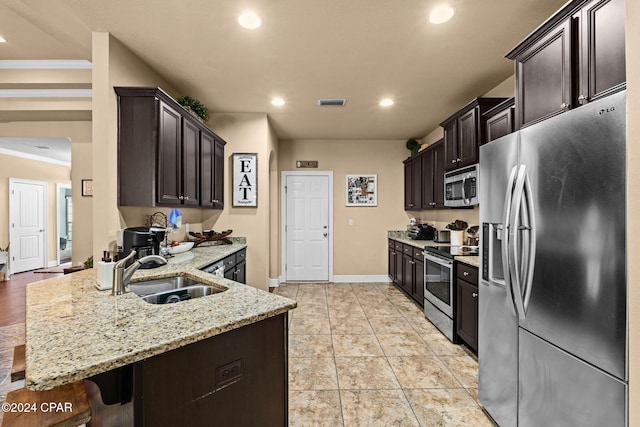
(64, 406)
(18, 366)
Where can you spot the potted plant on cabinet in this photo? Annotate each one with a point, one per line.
(194, 106)
(413, 146)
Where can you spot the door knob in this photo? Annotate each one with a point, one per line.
(475, 295)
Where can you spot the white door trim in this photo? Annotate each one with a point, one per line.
(12, 236)
(283, 210)
(58, 201)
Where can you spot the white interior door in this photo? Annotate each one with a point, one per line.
(307, 227)
(27, 224)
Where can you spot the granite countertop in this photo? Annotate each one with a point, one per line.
(74, 331)
(401, 236)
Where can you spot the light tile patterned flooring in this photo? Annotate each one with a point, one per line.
(363, 354)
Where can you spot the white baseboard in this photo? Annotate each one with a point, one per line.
(53, 263)
(274, 283)
(377, 278)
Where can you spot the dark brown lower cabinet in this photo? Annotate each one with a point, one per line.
(406, 269)
(238, 378)
(467, 305)
(235, 266)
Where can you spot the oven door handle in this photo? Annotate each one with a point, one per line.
(437, 260)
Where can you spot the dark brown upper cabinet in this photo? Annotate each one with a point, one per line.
(433, 176)
(424, 179)
(413, 183)
(500, 120)
(576, 56)
(166, 157)
(463, 132)
(212, 172)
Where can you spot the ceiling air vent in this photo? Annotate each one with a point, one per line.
(331, 102)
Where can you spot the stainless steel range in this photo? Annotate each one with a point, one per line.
(438, 285)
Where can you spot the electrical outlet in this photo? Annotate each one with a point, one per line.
(350, 221)
(229, 373)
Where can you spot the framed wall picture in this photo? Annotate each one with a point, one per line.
(362, 190)
(245, 179)
(87, 188)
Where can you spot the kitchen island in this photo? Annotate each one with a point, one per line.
(74, 331)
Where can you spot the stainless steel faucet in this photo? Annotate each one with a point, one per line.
(122, 275)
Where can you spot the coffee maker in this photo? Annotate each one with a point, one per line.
(145, 241)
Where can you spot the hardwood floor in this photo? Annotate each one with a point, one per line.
(13, 296)
(12, 318)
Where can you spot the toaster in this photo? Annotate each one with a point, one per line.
(442, 236)
(421, 232)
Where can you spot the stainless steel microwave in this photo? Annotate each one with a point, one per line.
(461, 187)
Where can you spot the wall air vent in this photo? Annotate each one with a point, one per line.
(331, 102)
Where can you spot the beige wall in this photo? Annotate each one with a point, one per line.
(82, 206)
(18, 167)
(359, 249)
(246, 133)
(113, 65)
(633, 204)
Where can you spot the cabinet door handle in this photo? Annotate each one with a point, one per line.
(181, 197)
(465, 273)
(475, 295)
(186, 197)
(453, 161)
(214, 201)
(458, 159)
(582, 99)
(563, 106)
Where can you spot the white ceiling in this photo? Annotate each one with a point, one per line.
(361, 50)
(55, 150)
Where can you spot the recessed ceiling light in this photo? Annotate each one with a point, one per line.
(249, 20)
(387, 102)
(441, 14)
(278, 102)
(2, 40)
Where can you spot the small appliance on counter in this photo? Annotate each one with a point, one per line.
(442, 236)
(421, 232)
(145, 241)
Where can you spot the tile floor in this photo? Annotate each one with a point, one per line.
(363, 354)
(360, 354)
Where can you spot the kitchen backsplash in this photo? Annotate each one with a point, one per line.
(441, 217)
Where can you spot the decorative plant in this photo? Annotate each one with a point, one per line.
(413, 145)
(194, 105)
(89, 262)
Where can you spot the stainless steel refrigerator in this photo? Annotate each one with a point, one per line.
(552, 345)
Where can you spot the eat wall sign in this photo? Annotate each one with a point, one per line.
(245, 179)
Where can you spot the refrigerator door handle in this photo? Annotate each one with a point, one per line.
(506, 238)
(515, 257)
(531, 247)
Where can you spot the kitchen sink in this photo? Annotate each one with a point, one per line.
(171, 290)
